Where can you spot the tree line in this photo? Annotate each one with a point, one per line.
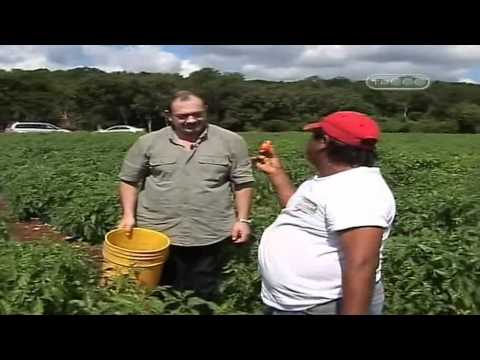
(88, 98)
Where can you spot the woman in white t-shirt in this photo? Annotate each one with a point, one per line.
(323, 253)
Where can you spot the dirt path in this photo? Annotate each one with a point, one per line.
(35, 230)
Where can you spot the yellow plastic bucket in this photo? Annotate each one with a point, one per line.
(142, 254)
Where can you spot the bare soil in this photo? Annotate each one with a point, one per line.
(35, 230)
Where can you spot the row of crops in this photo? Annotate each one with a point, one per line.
(431, 263)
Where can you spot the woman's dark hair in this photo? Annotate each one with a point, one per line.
(347, 154)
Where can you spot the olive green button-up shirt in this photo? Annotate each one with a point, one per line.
(188, 194)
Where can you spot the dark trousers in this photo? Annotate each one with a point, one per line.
(197, 268)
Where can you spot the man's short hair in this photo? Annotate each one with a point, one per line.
(183, 95)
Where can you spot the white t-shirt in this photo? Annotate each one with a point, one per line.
(300, 254)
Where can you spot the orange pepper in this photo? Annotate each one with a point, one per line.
(266, 148)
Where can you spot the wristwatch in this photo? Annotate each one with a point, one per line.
(246, 221)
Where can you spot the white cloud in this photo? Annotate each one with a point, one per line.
(148, 58)
(188, 67)
(468, 81)
(23, 57)
(105, 57)
(270, 62)
(278, 62)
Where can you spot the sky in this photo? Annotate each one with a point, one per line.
(457, 63)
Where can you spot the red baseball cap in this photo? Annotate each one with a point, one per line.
(349, 127)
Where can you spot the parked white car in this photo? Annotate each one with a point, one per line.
(121, 128)
(34, 127)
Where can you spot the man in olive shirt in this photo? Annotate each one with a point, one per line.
(183, 180)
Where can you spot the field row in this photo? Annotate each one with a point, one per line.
(431, 263)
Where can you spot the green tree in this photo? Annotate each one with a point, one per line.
(467, 116)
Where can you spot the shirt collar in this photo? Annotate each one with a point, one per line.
(203, 136)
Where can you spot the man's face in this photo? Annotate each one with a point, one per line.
(189, 117)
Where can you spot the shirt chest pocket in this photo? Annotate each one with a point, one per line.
(214, 169)
(163, 168)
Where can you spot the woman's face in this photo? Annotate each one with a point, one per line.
(315, 147)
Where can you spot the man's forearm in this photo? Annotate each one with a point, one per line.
(358, 282)
(283, 186)
(243, 202)
(128, 198)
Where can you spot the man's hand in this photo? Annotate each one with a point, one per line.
(240, 232)
(127, 223)
(128, 200)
